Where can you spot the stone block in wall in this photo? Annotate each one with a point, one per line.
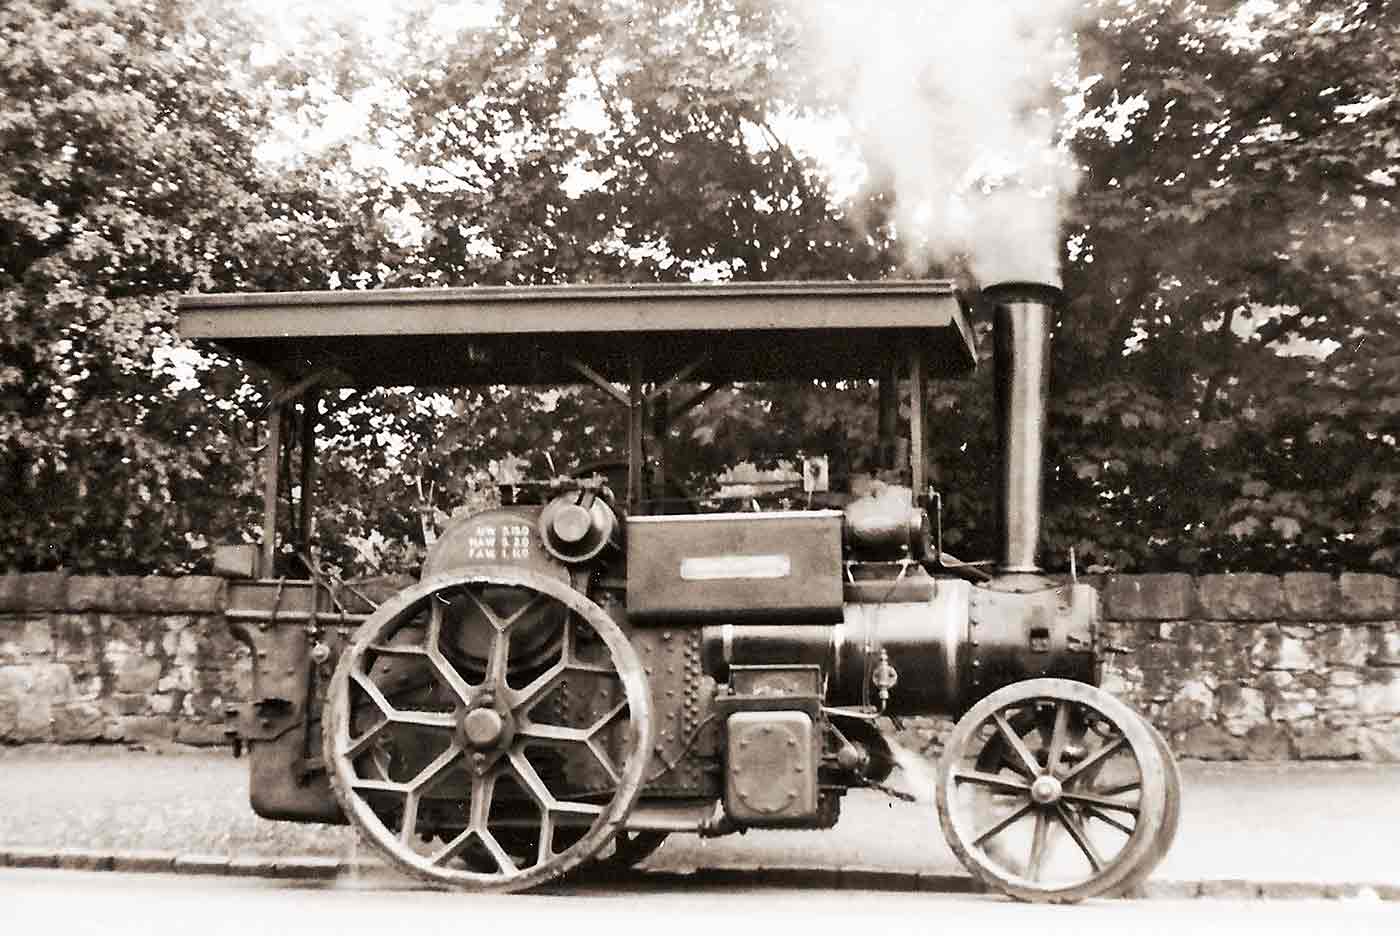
(1368, 596)
(34, 591)
(28, 695)
(1349, 646)
(92, 593)
(1380, 742)
(1316, 740)
(1241, 708)
(1309, 596)
(141, 729)
(1169, 597)
(196, 594)
(1379, 697)
(78, 721)
(1275, 650)
(201, 733)
(77, 638)
(1239, 597)
(25, 638)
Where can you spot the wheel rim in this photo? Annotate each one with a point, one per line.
(488, 777)
(1171, 819)
(1052, 790)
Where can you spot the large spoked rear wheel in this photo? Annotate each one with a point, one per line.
(1053, 791)
(488, 729)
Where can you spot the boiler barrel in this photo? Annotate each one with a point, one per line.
(949, 650)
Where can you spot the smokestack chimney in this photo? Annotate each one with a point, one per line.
(1022, 316)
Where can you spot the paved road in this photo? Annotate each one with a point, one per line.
(1284, 822)
(77, 903)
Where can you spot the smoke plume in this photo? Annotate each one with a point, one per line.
(953, 107)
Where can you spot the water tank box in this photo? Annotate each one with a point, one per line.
(779, 567)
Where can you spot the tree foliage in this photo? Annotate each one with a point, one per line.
(1226, 390)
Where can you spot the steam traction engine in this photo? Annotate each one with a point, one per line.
(593, 667)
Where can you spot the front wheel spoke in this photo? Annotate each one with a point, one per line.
(1039, 840)
(996, 781)
(1103, 802)
(1093, 760)
(1076, 831)
(1118, 788)
(997, 827)
(1096, 813)
(1059, 737)
(1016, 743)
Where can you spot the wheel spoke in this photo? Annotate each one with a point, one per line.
(440, 763)
(442, 720)
(995, 781)
(1103, 802)
(997, 827)
(358, 746)
(1096, 813)
(525, 772)
(552, 732)
(410, 817)
(1126, 787)
(532, 604)
(1093, 760)
(1038, 843)
(1076, 831)
(1059, 738)
(498, 660)
(1016, 744)
(483, 791)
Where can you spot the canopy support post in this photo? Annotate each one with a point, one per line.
(271, 468)
(636, 426)
(918, 444)
(306, 506)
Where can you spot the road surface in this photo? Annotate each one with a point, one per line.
(37, 903)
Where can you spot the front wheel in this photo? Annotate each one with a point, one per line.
(1053, 791)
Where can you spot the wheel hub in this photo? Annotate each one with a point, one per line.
(1046, 790)
(482, 728)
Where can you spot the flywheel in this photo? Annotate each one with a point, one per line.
(488, 729)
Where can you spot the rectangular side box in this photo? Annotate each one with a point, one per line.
(779, 567)
(772, 771)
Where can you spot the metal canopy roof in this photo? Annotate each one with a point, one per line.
(530, 335)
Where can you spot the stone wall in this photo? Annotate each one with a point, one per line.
(1260, 667)
(136, 660)
(1228, 666)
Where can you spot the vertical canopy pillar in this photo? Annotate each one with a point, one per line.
(306, 506)
(918, 441)
(889, 413)
(271, 467)
(636, 426)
